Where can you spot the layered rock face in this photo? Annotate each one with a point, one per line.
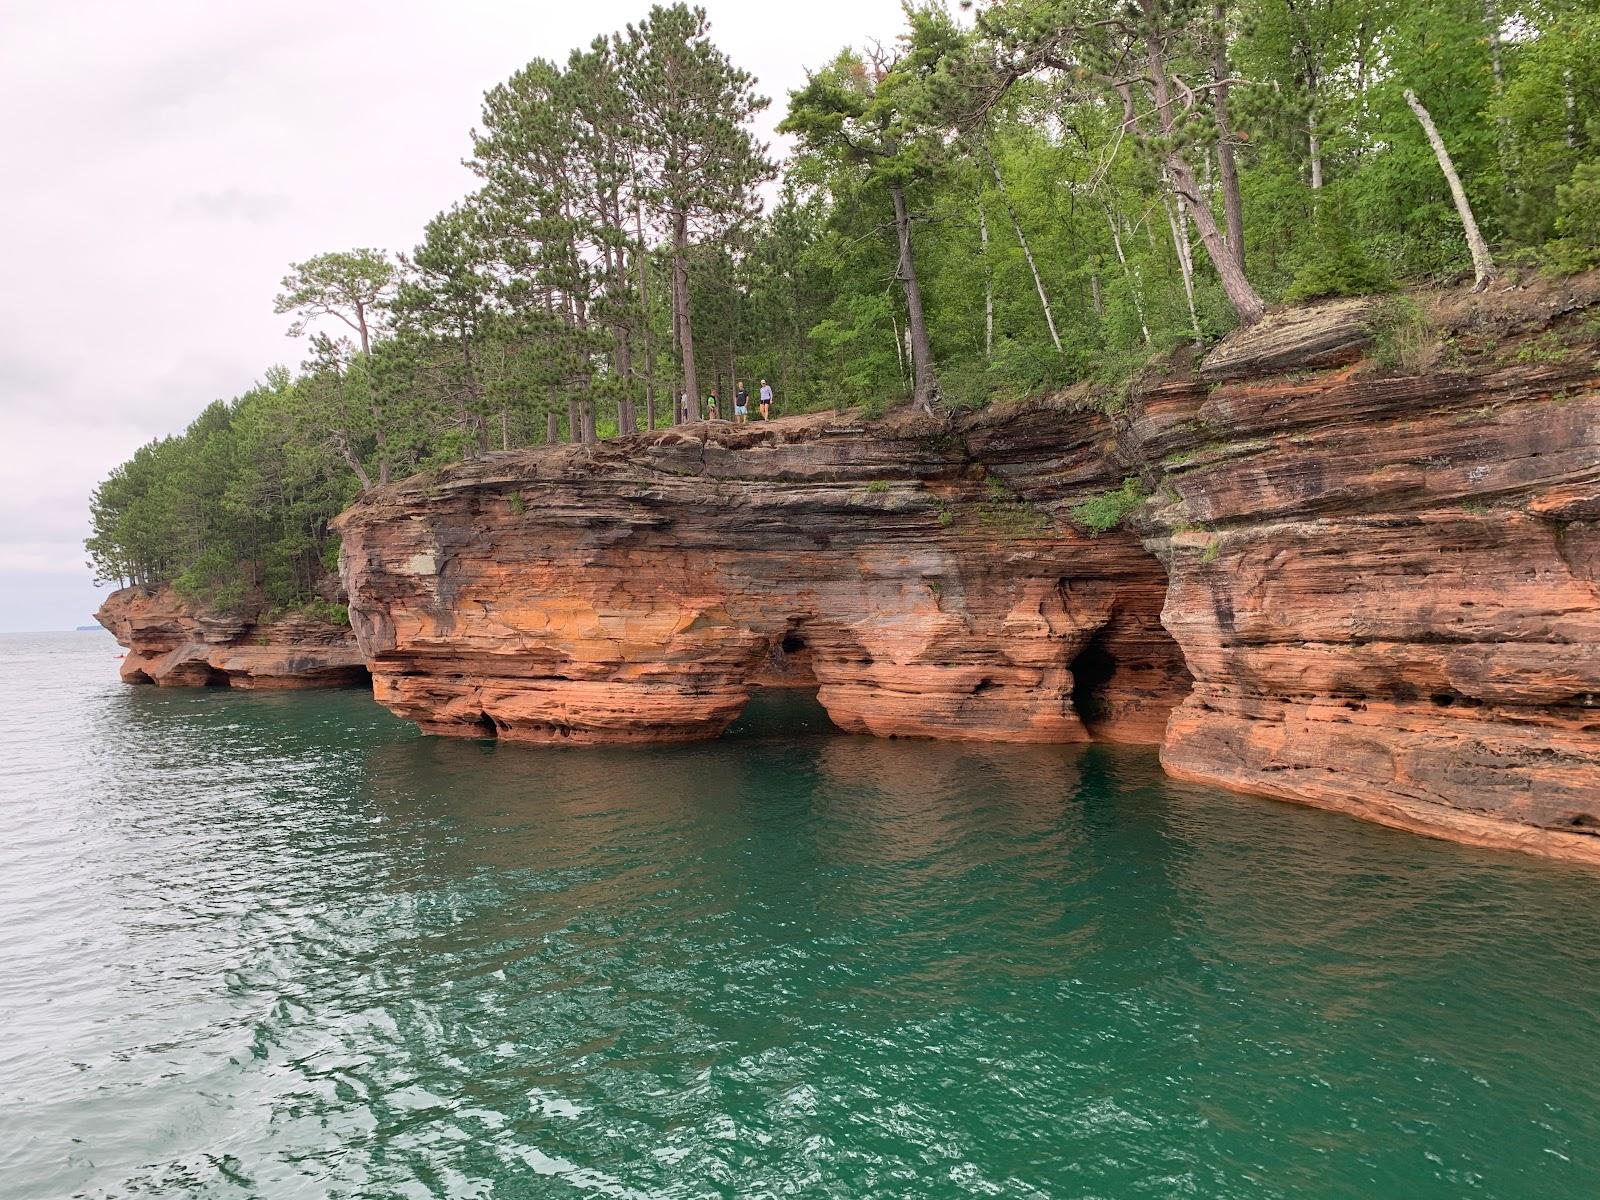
(1386, 585)
(172, 643)
(1365, 585)
(636, 591)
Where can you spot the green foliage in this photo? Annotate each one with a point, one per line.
(1577, 222)
(616, 220)
(1333, 263)
(326, 612)
(1003, 511)
(1401, 335)
(1104, 512)
(1545, 350)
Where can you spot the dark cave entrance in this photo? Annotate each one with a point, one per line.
(783, 691)
(1092, 672)
(787, 663)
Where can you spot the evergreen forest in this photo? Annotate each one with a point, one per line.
(1008, 197)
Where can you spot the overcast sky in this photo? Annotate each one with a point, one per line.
(165, 161)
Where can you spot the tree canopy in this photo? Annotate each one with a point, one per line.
(1007, 196)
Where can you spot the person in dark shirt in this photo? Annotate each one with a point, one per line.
(741, 404)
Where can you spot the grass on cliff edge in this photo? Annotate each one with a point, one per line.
(1102, 513)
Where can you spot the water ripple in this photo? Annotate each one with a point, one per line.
(281, 946)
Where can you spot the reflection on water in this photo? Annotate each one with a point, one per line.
(281, 946)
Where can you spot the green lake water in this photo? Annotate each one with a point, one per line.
(283, 946)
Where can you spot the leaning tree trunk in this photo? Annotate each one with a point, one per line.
(924, 387)
(1227, 167)
(1482, 264)
(1027, 252)
(1246, 301)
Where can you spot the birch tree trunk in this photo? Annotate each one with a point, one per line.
(1179, 225)
(1482, 264)
(988, 282)
(1027, 252)
(1133, 276)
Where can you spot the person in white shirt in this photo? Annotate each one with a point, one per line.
(766, 401)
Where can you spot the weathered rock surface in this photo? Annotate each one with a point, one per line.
(172, 643)
(636, 591)
(1373, 590)
(1386, 588)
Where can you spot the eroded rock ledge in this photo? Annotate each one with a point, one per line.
(1365, 587)
(636, 590)
(1388, 586)
(173, 643)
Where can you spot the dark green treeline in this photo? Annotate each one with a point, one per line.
(1010, 197)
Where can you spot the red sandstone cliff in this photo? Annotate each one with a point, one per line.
(1385, 583)
(175, 644)
(1383, 580)
(635, 591)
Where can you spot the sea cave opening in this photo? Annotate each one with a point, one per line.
(1092, 672)
(783, 691)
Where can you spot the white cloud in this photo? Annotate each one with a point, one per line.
(167, 160)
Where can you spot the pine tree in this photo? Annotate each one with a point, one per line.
(700, 164)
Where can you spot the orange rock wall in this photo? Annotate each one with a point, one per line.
(1386, 588)
(171, 643)
(637, 591)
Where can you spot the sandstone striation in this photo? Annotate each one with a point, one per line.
(1385, 583)
(637, 590)
(1364, 575)
(173, 643)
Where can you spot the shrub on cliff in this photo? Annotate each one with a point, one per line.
(1332, 263)
(1578, 224)
(1105, 512)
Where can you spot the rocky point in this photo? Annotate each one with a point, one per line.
(173, 642)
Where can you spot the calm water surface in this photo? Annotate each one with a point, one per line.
(282, 946)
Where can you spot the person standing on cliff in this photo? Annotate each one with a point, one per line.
(741, 404)
(766, 401)
(711, 407)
